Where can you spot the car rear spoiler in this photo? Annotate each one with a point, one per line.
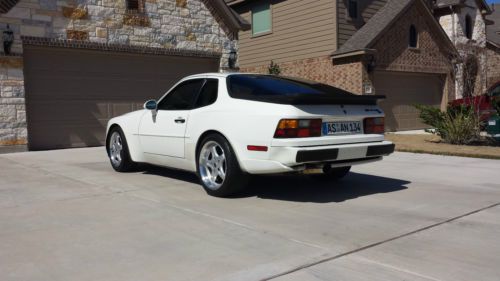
(317, 100)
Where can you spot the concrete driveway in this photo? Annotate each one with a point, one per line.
(66, 215)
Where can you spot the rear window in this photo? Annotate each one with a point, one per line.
(252, 86)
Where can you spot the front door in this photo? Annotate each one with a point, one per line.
(162, 132)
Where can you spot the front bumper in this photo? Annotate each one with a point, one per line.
(292, 159)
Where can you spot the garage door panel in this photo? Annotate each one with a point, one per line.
(403, 91)
(60, 135)
(72, 110)
(71, 94)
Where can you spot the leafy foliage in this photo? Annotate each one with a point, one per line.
(274, 68)
(457, 125)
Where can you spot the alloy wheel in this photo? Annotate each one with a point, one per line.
(212, 165)
(115, 149)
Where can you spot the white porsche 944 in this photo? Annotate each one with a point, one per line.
(225, 127)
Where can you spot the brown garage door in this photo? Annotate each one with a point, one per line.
(403, 91)
(71, 94)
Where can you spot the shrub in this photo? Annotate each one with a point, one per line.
(456, 125)
(274, 69)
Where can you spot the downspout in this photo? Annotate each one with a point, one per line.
(453, 33)
(453, 39)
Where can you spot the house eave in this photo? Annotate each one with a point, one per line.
(353, 53)
(494, 44)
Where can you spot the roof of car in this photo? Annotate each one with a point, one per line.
(216, 74)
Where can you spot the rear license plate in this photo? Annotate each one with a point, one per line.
(341, 128)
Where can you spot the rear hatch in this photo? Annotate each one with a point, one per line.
(342, 114)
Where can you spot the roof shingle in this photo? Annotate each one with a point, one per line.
(362, 39)
(493, 31)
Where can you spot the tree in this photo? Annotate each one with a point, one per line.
(469, 70)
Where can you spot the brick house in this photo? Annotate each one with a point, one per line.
(76, 63)
(493, 48)
(390, 47)
(465, 23)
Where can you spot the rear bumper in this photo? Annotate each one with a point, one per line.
(290, 159)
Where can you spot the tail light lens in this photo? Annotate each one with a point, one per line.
(374, 125)
(298, 128)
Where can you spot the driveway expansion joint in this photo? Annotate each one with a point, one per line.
(331, 258)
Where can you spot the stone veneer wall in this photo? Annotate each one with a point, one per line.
(346, 75)
(454, 26)
(12, 108)
(180, 24)
(493, 65)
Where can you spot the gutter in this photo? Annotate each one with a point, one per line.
(353, 53)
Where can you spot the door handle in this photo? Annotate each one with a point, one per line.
(180, 120)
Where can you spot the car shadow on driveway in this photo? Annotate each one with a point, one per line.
(304, 189)
(169, 173)
(300, 188)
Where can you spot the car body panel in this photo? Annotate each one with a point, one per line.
(161, 134)
(244, 123)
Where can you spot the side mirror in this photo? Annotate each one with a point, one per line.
(151, 105)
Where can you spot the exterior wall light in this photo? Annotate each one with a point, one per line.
(233, 57)
(372, 63)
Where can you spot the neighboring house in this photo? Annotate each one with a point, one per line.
(390, 47)
(465, 23)
(493, 47)
(75, 64)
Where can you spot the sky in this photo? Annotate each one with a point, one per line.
(493, 1)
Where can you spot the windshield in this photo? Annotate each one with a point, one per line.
(254, 85)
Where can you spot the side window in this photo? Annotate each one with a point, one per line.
(352, 9)
(468, 27)
(261, 19)
(135, 6)
(182, 97)
(413, 38)
(208, 94)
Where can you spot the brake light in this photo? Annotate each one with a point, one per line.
(298, 128)
(374, 125)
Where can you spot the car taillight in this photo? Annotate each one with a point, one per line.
(298, 128)
(374, 125)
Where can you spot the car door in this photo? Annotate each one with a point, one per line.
(162, 131)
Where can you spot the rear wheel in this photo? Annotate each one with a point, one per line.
(118, 151)
(218, 169)
(332, 174)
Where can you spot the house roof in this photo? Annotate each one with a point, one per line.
(365, 37)
(493, 31)
(234, 2)
(232, 19)
(6, 5)
(447, 3)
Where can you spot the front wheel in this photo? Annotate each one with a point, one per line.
(218, 168)
(118, 151)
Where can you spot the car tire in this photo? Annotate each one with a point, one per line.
(332, 174)
(217, 167)
(118, 152)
